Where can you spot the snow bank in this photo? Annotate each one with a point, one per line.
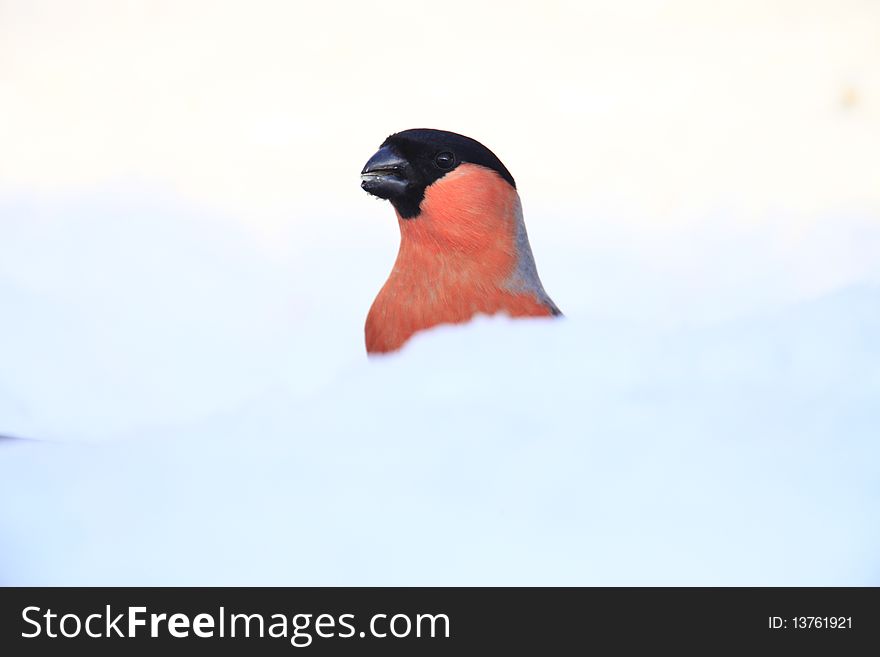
(225, 428)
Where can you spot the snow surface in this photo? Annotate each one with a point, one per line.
(202, 412)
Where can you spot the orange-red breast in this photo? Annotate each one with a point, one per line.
(463, 243)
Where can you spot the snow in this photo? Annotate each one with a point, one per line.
(201, 412)
(186, 262)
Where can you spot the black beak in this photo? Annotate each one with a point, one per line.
(385, 174)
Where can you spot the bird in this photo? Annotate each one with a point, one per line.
(464, 249)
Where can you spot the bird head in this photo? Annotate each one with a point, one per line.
(413, 164)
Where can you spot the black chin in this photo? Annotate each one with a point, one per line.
(408, 206)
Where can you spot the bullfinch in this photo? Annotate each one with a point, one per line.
(463, 244)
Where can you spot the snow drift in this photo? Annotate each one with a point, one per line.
(203, 414)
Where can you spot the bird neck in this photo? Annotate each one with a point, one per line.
(466, 232)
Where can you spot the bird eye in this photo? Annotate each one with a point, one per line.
(445, 160)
